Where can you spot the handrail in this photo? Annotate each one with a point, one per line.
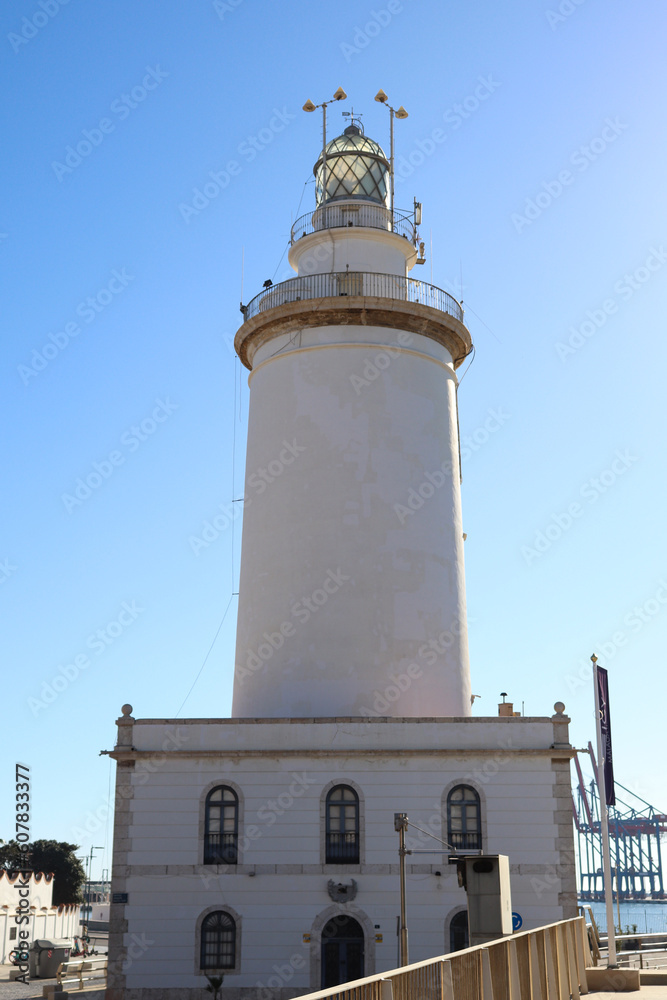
(353, 283)
(346, 214)
(555, 955)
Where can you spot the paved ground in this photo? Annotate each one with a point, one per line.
(20, 991)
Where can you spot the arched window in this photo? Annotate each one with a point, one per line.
(464, 819)
(458, 931)
(218, 941)
(221, 830)
(342, 826)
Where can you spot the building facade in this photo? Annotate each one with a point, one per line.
(45, 921)
(262, 847)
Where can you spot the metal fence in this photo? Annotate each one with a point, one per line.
(220, 849)
(354, 283)
(544, 964)
(345, 215)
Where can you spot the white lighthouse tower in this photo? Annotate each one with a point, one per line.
(263, 847)
(352, 579)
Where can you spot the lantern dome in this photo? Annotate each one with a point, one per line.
(356, 167)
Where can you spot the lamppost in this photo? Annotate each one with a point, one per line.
(400, 113)
(401, 825)
(89, 908)
(340, 95)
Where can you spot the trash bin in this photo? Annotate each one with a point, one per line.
(46, 956)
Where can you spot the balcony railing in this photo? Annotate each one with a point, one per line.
(466, 841)
(347, 283)
(342, 848)
(343, 215)
(221, 849)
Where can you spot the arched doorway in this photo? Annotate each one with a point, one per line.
(458, 931)
(342, 951)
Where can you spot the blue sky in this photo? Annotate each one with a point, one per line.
(536, 144)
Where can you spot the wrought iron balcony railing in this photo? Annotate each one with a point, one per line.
(345, 214)
(221, 849)
(466, 841)
(353, 283)
(342, 848)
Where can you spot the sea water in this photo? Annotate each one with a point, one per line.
(650, 917)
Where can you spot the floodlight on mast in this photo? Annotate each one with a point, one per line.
(340, 95)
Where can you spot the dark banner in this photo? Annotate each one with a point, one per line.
(605, 731)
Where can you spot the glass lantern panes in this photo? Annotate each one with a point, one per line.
(356, 167)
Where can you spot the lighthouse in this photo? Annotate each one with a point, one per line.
(263, 848)
(352, 576)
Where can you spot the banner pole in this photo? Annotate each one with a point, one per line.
(604, 819)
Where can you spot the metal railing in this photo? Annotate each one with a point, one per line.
(466, 841)
(342, 848)
(220, 849)
(344, 215)
(346, 283)
(548, 963)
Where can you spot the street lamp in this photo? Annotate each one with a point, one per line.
(90, 879)
(340, 95)
(401, 825)
(400, 113)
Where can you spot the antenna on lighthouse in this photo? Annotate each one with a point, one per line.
(398, 113)
(340, 95)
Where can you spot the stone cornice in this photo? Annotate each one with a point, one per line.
(553, 753)
(353, 310)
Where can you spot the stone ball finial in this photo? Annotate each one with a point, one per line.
(559, 708)
(126, 710)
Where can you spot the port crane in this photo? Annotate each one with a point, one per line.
(635, 831)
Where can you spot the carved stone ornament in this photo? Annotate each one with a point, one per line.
(341, 893)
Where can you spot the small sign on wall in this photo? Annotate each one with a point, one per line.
(306, 938)
(119, 897)
(378, 939)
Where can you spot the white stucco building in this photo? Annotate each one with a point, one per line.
(44, 920)
(263, 846)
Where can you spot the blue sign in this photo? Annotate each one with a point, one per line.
(517, 921)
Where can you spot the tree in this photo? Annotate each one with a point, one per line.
(49, 856)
